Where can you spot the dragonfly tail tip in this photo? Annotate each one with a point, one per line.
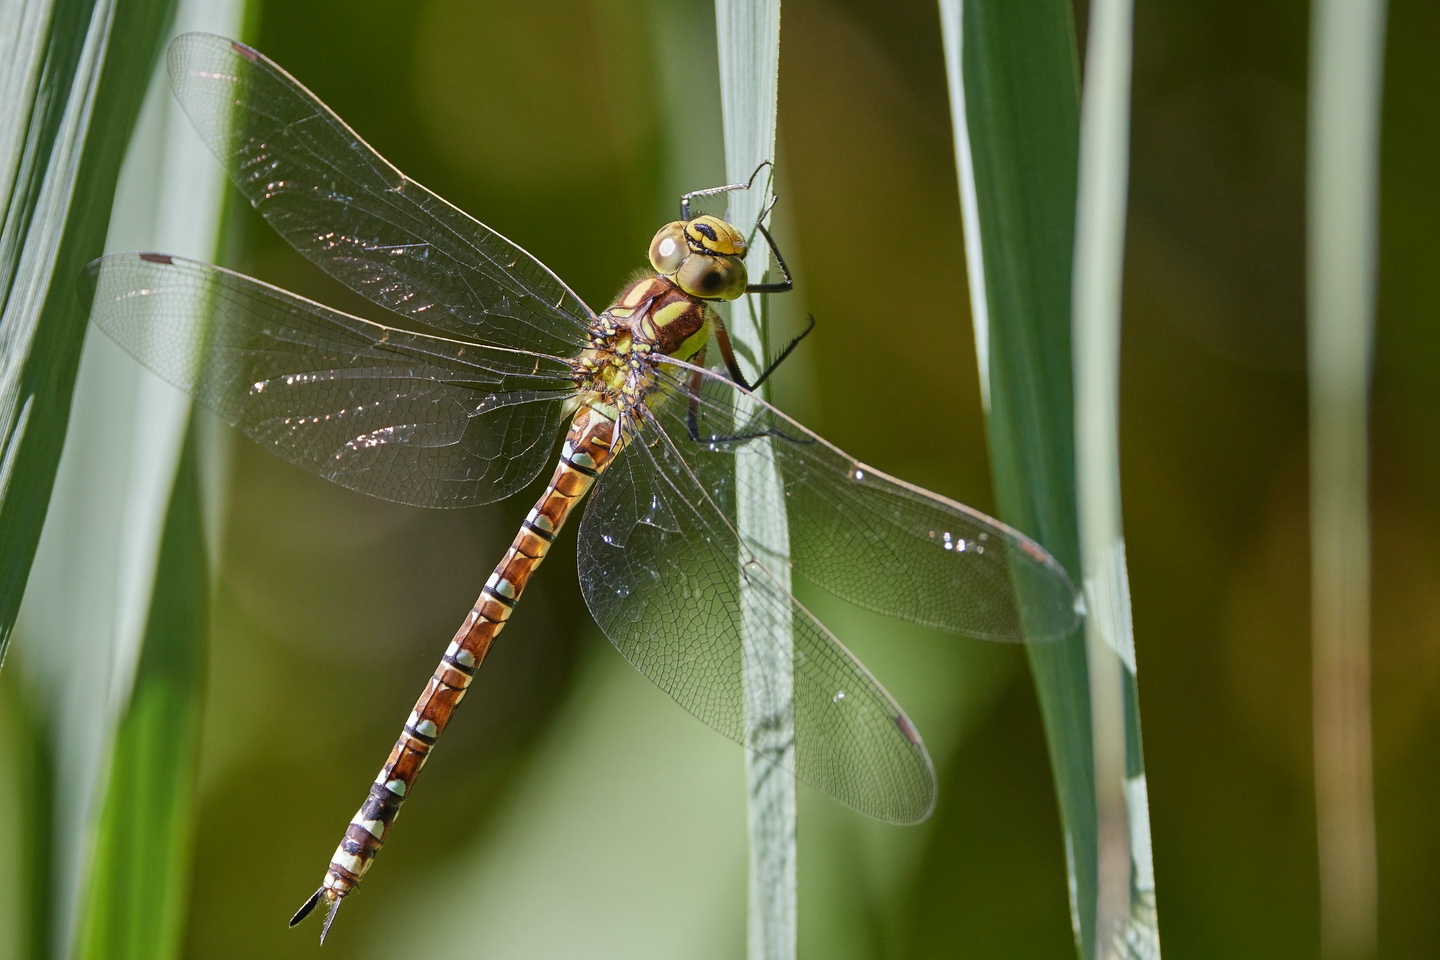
(329, 919)
(319, 896)
(307, 906)
(322, 895)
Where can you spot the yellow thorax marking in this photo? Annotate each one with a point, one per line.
(669, 313)
(692, 344)
(636, 295)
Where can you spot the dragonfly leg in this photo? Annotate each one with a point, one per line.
(727, 352)
(783, 286)
(692, 422)
(715, 191)
(588, 448)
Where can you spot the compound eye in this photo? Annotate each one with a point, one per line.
(712, 278)
(668, 250)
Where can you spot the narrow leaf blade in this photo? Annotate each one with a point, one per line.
(90, 77)
(748, 40)
(1014, 81)
(137, 893)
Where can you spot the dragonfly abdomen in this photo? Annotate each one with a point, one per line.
(588, 449)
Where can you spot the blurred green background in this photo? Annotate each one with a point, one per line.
(573, 810)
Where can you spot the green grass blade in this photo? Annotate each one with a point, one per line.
(1347, 64)
(82, 625)
(1125, 876)
(25, 870)
(136, 898)
(64, 139)
(70, 106)
(748, 40)
(1014, 85)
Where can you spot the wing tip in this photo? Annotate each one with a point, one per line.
(180, 50)
(246, 51)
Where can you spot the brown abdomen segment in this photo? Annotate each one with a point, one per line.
(587, 451)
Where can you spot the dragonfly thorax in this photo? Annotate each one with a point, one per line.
(703, 257)
(652, 315)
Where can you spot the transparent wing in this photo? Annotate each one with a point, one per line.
(342, 205)
(398, 415)
(866, 537)
(661, 569)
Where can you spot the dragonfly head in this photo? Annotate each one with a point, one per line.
(704, 256)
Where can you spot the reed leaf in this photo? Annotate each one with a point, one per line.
(70, 106)
(748, 40)
(1125, 921)
(26, 870)
(137, 895)
(75, 75)
(1014, 87)
(109, 627)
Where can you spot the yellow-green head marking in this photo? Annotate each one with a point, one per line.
(705, 257)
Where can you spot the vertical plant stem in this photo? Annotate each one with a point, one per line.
(1347, 56)
(25, 874)
(748, 39)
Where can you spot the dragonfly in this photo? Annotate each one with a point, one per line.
(469, 409)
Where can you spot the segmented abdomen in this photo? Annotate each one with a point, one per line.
(588, 448)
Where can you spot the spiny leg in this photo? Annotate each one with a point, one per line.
(783, 286)
(692, 419)
(722, 335)
(716, 191)
(727, 352)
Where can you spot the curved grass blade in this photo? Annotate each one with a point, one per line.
(1014, 89)
(748, 40)
(76, 76)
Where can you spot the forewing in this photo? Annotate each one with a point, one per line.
(868, 538)
(342, 205)
(398, 415)
(661, 569)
